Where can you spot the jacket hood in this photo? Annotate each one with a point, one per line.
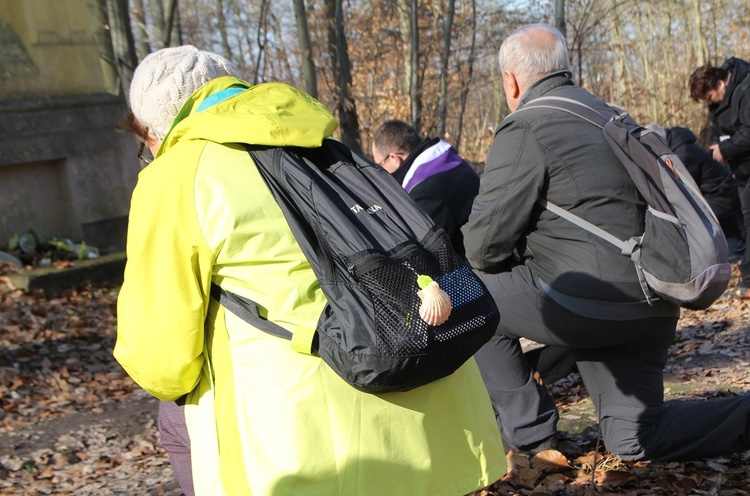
(680, 136)
(400, 173)
(739, 70)
(270, 114)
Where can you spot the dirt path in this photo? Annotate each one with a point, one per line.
(71, 421)
(133, 416)
(113, 451)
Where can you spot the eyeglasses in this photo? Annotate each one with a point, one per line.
(385, 159)
(144, 154)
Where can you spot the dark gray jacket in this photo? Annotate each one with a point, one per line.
(546, 153)
(731, 118)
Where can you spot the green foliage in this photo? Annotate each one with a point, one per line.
(31, 251)
(66, 250)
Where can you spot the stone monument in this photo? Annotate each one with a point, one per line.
(66, 168)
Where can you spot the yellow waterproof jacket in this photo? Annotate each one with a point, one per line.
(262, 418)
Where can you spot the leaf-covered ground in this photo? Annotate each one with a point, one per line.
(72, 422)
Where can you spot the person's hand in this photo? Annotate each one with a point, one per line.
(716, 152)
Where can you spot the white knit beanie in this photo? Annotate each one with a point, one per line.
(165, 79)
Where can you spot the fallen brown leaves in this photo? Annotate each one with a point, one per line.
(56, 355)
(531, 477)
(709, 358)
(72, 422)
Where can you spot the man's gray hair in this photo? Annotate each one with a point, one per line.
(530, 59)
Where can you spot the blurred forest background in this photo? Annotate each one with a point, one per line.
(433, 63)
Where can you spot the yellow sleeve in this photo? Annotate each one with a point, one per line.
(163, 301)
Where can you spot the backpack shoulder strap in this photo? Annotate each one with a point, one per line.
(571, 106)
(247, 310)
(587, 113)
(624, 246)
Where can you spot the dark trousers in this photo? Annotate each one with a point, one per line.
(621, 363)
(175, 441)
(731, 225)
(552, 362)
(745, 204)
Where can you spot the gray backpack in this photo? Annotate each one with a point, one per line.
(682, 255)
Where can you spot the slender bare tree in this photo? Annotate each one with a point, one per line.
(305, 48)
(560, 16)
(221, 22)
(158, 23)
(103, 37)
(466, 82)
(444, 60)
(699, 36)
(346, 107)
(404, 32)
(261, 39)
(415, 93)
(138, 15)
(123, 46)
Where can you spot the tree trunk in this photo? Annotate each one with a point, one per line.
(470, 73)
(699, 36)
(103, 36)
(305, 48)
(415, 96)
(123, 46)
(621, 71)
(280, 62)
(142, 47)
(560, 16)
(261, 39)
(345, 105)
(164, 16)
(404, 32)
(222, 25)
(156, 7)
(171, 28)
(444, 59)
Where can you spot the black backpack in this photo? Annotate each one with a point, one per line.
(681, 255)
(372, 249)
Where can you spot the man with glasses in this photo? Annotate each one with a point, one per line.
(432, 172)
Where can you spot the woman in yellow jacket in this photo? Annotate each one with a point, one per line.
(263, 419)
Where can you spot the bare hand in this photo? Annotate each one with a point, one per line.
(716, 153)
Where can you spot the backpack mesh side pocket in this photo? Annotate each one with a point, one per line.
(392, 286)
